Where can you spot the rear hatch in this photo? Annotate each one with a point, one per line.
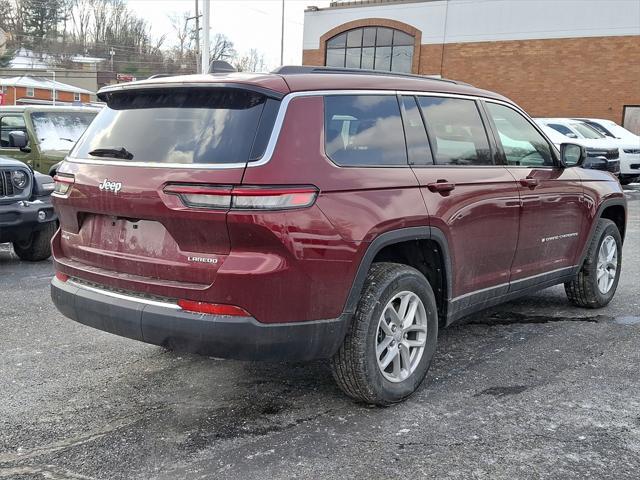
(123, 196)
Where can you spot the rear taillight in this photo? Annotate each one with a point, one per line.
(212, 308)
(244, 197)
(63, 183)
(63, 277)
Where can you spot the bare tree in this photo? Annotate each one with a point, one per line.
(181, 28)
(81, 21)
(10, 20)
(253, 61)
(222, 48)
(100, 9)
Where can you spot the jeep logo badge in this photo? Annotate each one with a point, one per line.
(109, 186)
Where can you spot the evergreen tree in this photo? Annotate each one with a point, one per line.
(40, 20)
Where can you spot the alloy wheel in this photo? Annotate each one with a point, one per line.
(401, 336)
(607, 264)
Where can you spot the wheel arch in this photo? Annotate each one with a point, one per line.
(614, 209)
(396, 245)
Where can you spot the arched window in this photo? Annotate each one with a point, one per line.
(377, 48)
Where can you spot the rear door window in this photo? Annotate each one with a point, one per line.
(182, 126)
(364, 130)
(456, 131)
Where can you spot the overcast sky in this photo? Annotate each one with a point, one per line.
(248, 23)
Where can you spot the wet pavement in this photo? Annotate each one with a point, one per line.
(533, 388)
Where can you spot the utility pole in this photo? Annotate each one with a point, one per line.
(282, 36)
(205, 36)
(112, 52)
(197, 39)
(196, 17)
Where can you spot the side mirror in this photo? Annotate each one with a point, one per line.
(572, 154)
(18, 139)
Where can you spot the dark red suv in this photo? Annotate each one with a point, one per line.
(321, 213)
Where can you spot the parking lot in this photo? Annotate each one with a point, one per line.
(534, 388)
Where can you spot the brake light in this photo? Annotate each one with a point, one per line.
(63, 277)
(244, 197)
(63, 184)
(212, 308)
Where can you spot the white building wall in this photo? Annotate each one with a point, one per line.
(490, 20)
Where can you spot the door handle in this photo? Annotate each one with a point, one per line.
(529, 182)
(441, 186)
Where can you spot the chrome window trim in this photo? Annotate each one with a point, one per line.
(275, 133)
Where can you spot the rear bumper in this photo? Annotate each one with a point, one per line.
(19, 219)
(165, 324)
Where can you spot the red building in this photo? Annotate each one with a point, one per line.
(27, 89)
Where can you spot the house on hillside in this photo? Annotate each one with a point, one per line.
(25, 58)
(26, 89)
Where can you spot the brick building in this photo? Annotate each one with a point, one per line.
(554, 58)
(25, 89)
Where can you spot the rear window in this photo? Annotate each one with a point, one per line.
(60, 130)
(182, 126)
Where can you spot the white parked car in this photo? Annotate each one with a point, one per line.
(595, 147)
(629, 143)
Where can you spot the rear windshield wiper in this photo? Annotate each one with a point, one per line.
(112, 152)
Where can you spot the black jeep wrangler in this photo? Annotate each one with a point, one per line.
(27, 219)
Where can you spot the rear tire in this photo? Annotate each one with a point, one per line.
(405, 342)
(38, 245)
(596, 282)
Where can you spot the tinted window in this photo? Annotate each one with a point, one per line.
(180, 126)
(10, 124)
(364, 130)
(456, 131)
(562, 129)
(417, 142)
(587, 131)
(600, 128)
(523, 145)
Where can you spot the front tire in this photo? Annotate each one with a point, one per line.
(389, 347)
(596, 282)
(38, 246)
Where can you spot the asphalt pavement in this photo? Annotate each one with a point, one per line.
(534, 388)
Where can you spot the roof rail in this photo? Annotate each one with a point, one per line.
(160, 75)
(300, 69)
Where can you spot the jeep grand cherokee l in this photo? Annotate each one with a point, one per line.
(322, 213)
